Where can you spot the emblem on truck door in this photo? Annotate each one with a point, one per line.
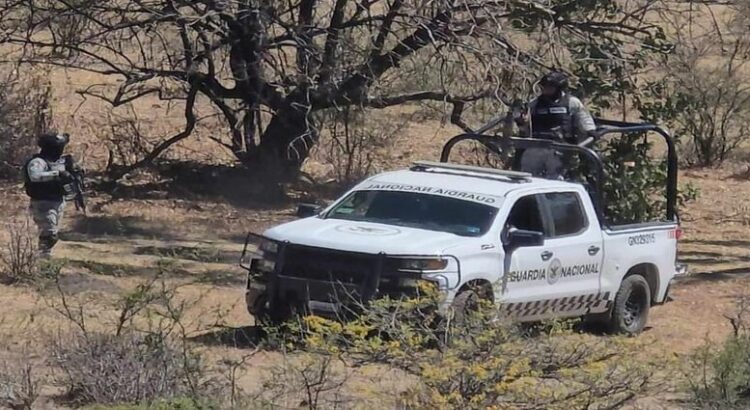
(554, 270)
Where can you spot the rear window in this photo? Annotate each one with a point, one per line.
(568, 217)
(416, 210)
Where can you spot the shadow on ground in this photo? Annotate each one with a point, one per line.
(710, 258)
(216, 277)
(713, 265)
(76, 283)
(120, 270)
(191, 253)
(230, 278)
(729, 243)
(717, 275)
(100, 228)
(195, 181)
(236, 337)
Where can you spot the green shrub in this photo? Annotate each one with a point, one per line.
(635, 184)
(719, 376)
(483, 361)
(180, 403)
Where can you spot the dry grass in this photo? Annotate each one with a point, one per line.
(715, 244)
(19, 385)
(19, 255)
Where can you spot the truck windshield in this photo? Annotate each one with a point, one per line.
(416, 210)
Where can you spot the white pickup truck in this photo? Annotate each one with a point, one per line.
(535, 247)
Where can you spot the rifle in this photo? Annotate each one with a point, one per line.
(78, 183)
(519, 109)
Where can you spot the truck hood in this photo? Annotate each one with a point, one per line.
(365, 237)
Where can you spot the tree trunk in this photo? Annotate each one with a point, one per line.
(284, 146)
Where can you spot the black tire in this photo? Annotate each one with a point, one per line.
(262, 313)
(463, 304)
(268, 315)
(631, 306)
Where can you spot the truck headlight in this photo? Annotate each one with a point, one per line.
(265, 265)
(268, 246)
(264, 260)
(422, 264)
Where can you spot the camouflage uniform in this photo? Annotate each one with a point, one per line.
(572, 120)
(48, 193)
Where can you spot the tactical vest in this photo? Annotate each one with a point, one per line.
(47, 190)
(548, 115)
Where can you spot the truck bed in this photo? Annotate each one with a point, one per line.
(649, 248)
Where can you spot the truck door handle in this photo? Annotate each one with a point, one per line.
(593, 250)
(546, 255)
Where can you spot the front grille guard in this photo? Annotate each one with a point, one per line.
(369, 289)
(244, 263)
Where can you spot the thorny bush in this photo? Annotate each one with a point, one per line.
(353, 142)
(24, 114)
(129, 368)
(144, 357)
(312, 382)
(719, 376)
(484, 360)
(19, 385)
(19, 258)
(703, 95)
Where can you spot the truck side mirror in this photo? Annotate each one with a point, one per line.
(520, 238)
(308, 210)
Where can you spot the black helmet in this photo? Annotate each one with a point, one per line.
(555, 79)
(53, 140)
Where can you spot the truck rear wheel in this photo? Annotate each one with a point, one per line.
(631, 306)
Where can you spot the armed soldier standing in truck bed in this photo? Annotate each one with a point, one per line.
(555, 115)
(49, 182)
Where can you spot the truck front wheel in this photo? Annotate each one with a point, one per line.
(631, 306)
(470, 300)
(270, 315)
(464, 303)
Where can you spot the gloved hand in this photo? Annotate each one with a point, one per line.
(588, 139)
(66, 177)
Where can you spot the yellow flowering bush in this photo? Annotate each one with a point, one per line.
(484, 361)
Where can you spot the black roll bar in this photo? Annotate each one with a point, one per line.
(497, 144)
(621, 127)
(526, 143)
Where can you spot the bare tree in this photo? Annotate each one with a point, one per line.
(24, 112)
(702, 91)
(268, 67)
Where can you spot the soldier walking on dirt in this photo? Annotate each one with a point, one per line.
(49, 182)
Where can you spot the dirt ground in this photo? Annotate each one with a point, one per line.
(196, 230)
(124, 240)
